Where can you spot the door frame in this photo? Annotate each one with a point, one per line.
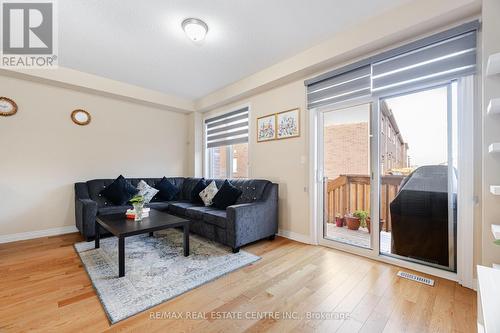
(465, 238)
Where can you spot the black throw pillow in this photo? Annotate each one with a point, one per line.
(120, 191)
(226, 196)
(168, 191)
(195, 193)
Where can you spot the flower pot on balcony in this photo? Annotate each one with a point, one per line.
(352, 223)
(381, 224)
(339, 222)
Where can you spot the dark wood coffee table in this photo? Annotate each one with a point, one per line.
(122, 227)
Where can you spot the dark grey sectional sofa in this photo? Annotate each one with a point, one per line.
(253, 217)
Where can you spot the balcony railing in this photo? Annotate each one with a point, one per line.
(348, 193)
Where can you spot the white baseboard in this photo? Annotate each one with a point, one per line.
(295, 236)
(37, 234)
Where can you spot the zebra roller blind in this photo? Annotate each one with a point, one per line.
(355, 83)
(228, 129)
(443, 56)
(450, 58)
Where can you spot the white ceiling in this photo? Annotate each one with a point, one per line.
(142, 42)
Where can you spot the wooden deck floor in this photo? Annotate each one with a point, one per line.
(360, 237)
(44, 287)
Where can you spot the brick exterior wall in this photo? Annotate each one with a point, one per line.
(240, 154)
(393, 150)
(346, 150)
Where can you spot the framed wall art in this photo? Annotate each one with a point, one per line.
(288, 124)
(266, 128)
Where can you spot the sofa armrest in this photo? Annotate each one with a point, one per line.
(85, 214)
(250, 222)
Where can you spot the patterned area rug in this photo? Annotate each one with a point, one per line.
(155, 269)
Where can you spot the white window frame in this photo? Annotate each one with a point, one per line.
(206, 153)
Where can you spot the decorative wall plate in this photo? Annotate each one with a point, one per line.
(80, 117)
(7, 107)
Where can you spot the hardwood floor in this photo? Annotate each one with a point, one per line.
(44, 287)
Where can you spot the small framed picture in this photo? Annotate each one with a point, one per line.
(288, 124)
(266, 128)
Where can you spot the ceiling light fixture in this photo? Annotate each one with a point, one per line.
(195, 29)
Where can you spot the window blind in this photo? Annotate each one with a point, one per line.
(448, 59)
(354, 83)
(444, 56)
(227, 129)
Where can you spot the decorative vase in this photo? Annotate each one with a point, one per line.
(138, 210)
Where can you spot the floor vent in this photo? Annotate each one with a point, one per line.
(416, 278)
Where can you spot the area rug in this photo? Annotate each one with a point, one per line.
(155, 269)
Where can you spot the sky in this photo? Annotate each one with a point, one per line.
(422, 121)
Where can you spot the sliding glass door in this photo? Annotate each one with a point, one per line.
(418, 176)
(392, 159)
(346, 165)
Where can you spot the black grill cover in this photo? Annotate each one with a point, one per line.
(419, 215)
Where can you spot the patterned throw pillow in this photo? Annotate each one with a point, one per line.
(146, 191)
(209, 193)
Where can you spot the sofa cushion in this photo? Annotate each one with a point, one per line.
(113, 210)
(167, 190)
(120, 191)
(179, 207)
(252, 189)
(216, 217)
(95, 187)
(146, 191)
(226, 196)
(135, 181)
(196, 212)
(159, 205)
(195, 193)
(187, 187)
(209, 193)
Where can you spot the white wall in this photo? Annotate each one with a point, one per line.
(491, 133)
(42, 152)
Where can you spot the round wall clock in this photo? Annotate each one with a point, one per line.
(7, 107)
(80, 117)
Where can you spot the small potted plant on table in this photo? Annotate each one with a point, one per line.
(138, 203)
